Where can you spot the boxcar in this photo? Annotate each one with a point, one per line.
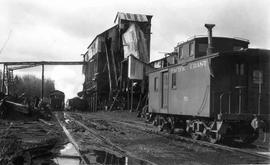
(57, 100)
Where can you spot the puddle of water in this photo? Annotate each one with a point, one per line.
(67, 161)
(264, 153)
(68, 156)
(69, 149)
(105, 158)
(94, 156)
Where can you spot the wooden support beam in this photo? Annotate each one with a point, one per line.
(19, 107)
(22, 67)
(3, 79)
(109, 71)
(131, 100)
(44, 63)
(128, 93)
(7, 80)
(114, 69)
(42, 82)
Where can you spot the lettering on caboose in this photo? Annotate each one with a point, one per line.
(190, 66)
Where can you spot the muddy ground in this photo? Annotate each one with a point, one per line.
(103, 138)
(145, 145)
(25, 140)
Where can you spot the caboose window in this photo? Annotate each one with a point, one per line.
(191, 49)
(237, 69)
(203, 48)
(173, 80)
(180, 52)
(156, 84)
(240, 69)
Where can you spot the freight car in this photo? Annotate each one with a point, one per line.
(57, 100)
(218, 90)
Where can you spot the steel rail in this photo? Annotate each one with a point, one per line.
(107, 141)
(204, 143)
(71, 139)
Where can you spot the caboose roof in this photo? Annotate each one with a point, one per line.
(216, 37)
(252, 52)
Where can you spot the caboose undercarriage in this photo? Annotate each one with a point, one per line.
(210, 129)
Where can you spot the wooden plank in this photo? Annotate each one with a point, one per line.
(109, 71)
(114, 69)
(45, 122)
(22, 67)
(19, 107)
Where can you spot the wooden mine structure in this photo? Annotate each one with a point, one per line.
(116, 62)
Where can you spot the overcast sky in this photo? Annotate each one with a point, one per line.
(62, 29)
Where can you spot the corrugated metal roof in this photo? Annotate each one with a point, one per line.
(131, 17)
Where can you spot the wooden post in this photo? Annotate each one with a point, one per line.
(114, 69)
(139, 103)
(96, 102)
(42, 82)
(3, 79)
(109, 71)
(7, 80)
(131, 100)
(127, 87)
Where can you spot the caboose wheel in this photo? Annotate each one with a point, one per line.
(156, 120)
(251, 138)
(195, 136)
(213, 137)
(192, 130)
(171, 125)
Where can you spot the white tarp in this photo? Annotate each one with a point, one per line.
(135, 43)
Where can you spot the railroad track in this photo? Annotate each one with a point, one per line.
(145, 127)
(113, 148)
(71, 139)
(251, 156)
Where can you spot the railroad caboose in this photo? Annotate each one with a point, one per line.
(218, 90)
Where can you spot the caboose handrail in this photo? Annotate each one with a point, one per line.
(220, 100)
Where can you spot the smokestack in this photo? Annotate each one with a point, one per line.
(210, 48)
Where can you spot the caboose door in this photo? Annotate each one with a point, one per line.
(239, 87)
(164, 90)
